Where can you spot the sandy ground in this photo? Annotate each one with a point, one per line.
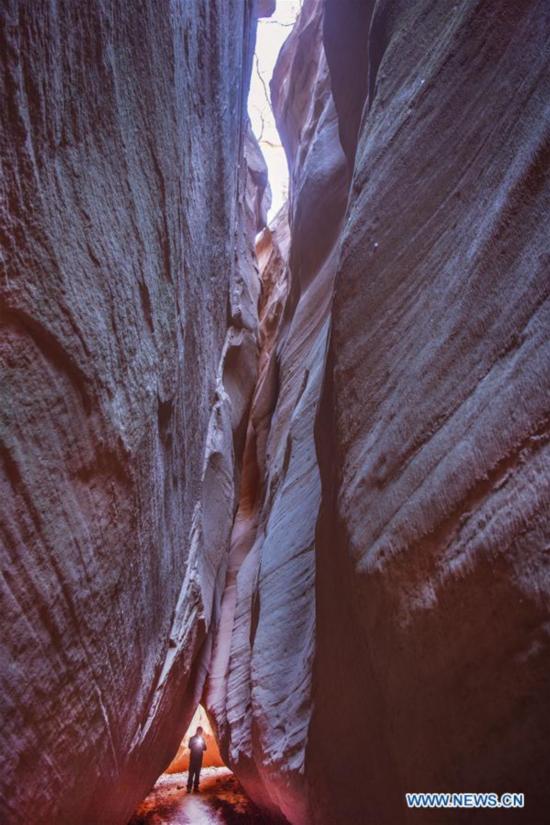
(221, 801)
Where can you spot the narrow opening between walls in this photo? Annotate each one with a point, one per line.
(271, 35)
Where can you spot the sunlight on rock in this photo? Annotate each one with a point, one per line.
(297, 472)
(211, 756)
(271, 35)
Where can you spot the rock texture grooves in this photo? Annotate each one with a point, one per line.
(433, 431)
(318, 502)
(398, 637)
(127, 359)
(259, 689)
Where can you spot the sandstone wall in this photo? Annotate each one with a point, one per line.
(259, 688)
(432, 583)
(125, 319)
(318, 502)
(397, 638)
(211, 756)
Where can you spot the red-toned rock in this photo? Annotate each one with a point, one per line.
(228, 688)
(125, 385)
(433, 643)
(317, 501)
(399, 641)
(211, 756)
(260, 679)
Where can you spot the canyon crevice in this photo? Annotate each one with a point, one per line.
(298, 473)
(128, 357)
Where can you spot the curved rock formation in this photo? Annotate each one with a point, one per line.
(433, 433)
(124, 209)
(418, 150)
(317, 501)
(260, 680)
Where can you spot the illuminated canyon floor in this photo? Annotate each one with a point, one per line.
(221, 801)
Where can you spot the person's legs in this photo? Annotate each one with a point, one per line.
(190, 776)
(198, 767)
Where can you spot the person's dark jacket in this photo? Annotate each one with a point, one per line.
(197, 745)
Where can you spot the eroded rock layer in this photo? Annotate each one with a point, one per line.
(259, 689)
(389, 621)
(318, 501)
(433, 590)
(127, 358)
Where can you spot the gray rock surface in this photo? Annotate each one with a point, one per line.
(123, 385)
(259, 689)
(432, 579)
(398, 639)
(318, 500)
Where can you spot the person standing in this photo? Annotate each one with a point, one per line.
(197, 746)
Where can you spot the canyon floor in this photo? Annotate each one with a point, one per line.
(221, 801)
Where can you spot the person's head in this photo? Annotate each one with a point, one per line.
(199, 731)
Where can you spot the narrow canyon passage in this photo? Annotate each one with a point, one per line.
(274, 462)
(222, 801)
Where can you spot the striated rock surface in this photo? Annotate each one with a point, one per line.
(317, 501)
(125, 204)
(433, 621)
(229, 709)
(397, 639)
(259, 688)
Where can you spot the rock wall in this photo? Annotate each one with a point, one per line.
(432, 585)
(317, 501)
(388, 606)
(259, 687)
(128, 350)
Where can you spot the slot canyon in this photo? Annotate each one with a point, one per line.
(291, 475)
